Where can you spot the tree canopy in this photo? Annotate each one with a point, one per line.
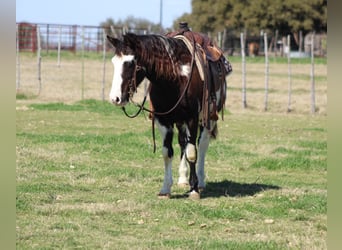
(132, 23)
(254, 15)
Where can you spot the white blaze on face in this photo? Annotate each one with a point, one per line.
(118, 62)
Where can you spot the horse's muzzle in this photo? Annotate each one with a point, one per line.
(118, 101)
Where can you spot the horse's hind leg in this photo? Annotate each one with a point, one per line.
(203, 143)
(167, 152)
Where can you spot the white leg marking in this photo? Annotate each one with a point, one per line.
(202, 150)
(166, 189)
(183, 172)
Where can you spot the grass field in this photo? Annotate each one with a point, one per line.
(87, 177)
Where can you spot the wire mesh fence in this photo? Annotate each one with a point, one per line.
(68, 63)
(64, 62)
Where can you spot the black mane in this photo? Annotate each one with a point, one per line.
(160, 54)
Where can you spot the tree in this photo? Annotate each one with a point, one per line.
(131, 23)
(254, 15)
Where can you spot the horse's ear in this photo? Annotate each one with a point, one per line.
(130, 40)
(114, 41)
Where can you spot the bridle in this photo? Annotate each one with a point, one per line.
(132, 85)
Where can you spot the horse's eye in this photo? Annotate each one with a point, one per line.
(129, 64)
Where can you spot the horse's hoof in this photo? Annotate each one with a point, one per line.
(183, 185)
(164, 196)
(194, 195)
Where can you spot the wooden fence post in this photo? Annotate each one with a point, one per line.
(82, 71)
(244, 101)
(219, 39)
(289, 73)
(104, 64)
(59, 46)
(312, 75)
(275, 43)
(39, 60)
(18, 59)
(300, 48)
(266, 71)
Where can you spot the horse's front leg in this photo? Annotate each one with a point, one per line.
(183, 168)
(191, 157)
(166, 132)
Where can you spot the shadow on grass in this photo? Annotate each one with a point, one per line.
(233, 189)
(230, 189)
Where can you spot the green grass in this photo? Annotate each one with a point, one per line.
(87, 178)
(89, 105)
(21, 96)
(278, 59)
(84, 105)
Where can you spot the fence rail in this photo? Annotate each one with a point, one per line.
(67, 37)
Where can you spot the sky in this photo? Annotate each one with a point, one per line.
(86, 12)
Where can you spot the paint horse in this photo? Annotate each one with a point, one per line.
(176, 92)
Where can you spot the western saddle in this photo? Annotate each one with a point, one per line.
(214, 67)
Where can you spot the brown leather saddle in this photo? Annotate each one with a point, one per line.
(213, 53)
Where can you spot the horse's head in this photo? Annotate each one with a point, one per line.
(127, 74)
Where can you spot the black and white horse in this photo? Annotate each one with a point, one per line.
(176, 93)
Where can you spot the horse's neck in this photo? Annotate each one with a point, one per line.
(157, 60)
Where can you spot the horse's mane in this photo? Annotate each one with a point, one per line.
(157, 53)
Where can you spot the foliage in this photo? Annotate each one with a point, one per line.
(131, 23)
(251, 16)
(255, 15)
